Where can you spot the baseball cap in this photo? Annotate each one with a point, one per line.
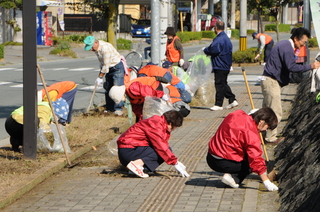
(254, 35)
(89, 41)
(166, 64)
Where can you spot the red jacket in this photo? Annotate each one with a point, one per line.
(151, 132)
(238, 139)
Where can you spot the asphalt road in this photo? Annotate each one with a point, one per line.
(82, 71)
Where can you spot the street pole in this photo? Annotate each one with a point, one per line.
(30, 114)
(307, 23)
(243, 25)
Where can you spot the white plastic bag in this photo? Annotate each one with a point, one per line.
(155, 106)
(43, 143)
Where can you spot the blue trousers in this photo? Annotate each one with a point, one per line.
(69, 97)
(114, 77)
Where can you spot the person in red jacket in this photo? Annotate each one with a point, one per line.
(145, 144)
(235, 149)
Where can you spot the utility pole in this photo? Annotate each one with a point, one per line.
(243, 25)
(224, 11)
(307, 23)
(30, 113)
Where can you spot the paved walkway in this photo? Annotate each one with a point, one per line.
(86, 189)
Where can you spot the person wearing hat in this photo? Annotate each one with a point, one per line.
(220, 51)
(111, 67)
(264, 42)
(174, 50)
(145, 145)
(64, 89)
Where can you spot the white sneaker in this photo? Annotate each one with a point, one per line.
(137, 170)
(216, 108)
(233, 104)
(228, 180)
(118, 112)
(263, 64)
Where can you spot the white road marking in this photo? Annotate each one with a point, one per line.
(80, 69)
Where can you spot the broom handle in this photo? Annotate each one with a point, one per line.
(54, 115)
(252, 106)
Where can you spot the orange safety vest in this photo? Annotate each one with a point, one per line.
(60, 87)
(303, 52)
(174, 94)
(151, 81)
(172, 54)
(153, 70)
(268, 38)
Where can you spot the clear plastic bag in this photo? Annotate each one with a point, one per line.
(44, 145)
(198, 71)
(113, 146)
(155, 106)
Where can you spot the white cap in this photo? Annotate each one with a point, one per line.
(116, 93)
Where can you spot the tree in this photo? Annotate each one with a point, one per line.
(106, 9)
(15, 4)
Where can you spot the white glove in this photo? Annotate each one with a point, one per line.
(181, 62)
(181, 169)
(203, 48)
(165, 97)
(270, 186)
(98, 81)
(258, 55)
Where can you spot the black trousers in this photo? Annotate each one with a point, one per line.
(238, 170)
(222, 88)
(267, 50)
(15, 130)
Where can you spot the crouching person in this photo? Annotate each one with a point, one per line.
(145, 146)
(235, 149)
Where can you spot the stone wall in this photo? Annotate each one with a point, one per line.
(298, 156)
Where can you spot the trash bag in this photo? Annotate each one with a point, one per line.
(113, 146)
(42, 141)
(198, 71)
(155, 106)
(206, 92)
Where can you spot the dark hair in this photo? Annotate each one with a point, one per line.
(299, 32)
(268, 115)
(174, 118)
(220, 25)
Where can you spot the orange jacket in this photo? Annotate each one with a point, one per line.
(174, 94)
(60, 88)
(172, 54)
(268, 38)
(153, 70)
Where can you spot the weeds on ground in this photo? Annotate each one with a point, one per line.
(83, 130)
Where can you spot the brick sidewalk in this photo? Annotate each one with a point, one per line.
(85, 189)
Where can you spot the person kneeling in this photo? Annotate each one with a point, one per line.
(235, 149)
(145, 144)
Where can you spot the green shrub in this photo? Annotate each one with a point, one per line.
(208, 34)
(250, 31)
(235, 33)
(76, 38)
(64, 52)
(246, 56)
(63, 45)
(312, 42)
(123, 44)
(272, 19)
(1, 51)
(282, 27)
(187, 36)
(12, 43)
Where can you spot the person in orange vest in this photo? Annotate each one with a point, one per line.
(65, 90)
(152, 70)
(174, 50)
(264, 42)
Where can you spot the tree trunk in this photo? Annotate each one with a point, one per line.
(112, 22)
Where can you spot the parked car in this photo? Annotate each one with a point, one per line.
(213, 22)
(142, 29)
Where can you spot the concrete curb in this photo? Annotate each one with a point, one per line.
(34, 179)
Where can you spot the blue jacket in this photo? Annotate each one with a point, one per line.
(281, 61)
(220, 51)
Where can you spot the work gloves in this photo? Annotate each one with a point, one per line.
(182, 169)
(99, 81)
(165, 97)
(258, 55)
(181, 62)
(270, 186)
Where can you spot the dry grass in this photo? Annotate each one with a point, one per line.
(83, 130)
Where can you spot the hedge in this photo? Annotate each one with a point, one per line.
(273, 27)
(246, 56)
(1, 51)
(123, 44)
